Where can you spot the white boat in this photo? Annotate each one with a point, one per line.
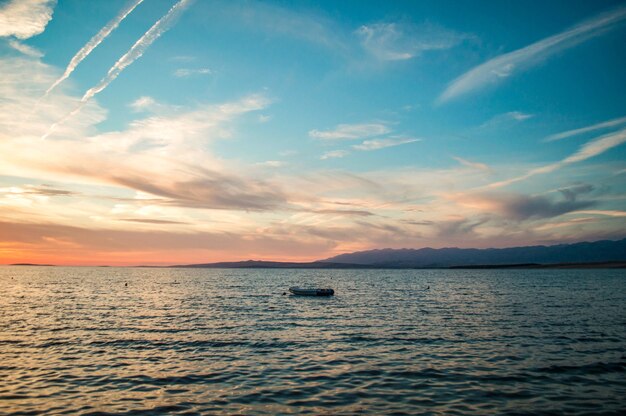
(311, 292)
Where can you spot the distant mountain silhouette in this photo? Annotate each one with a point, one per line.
(604, 251)
(260, 264)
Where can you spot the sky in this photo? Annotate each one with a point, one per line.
(175, 131)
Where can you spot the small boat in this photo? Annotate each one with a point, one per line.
(311, 292)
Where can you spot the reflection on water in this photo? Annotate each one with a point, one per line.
(78, 340)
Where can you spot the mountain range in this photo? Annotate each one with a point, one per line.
(605, 253)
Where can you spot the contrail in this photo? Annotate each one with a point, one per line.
(94, 42)
(138, 48)
(135, 52)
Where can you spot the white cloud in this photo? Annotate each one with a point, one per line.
(350, 131)
(25, 18)
(144, 104)
(605, 124)
(474, 165)
(590, 149)
(25, 49)
(300, 24)
(334, 154)
(376, 144)
(518, 115)
(187, 72)
(398, 41)
(272, 164)
(501, 67)
(511, 116)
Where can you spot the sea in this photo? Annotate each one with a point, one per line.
(135, 341)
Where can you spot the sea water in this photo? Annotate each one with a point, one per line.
(208, 341)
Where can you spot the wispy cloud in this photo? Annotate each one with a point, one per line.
(590, 149)
(144, 103)
(400, 41)
(301, 24)
(188, 72)
(521, 207)
(272, 164)
(94, 42)
(25, 49)
(504, 66)
(608, 213)
(334, 154)
(508, 117)
(351, 131)
(599, 126)
(135, 52)
(376, 144)
(474, 165)
(25, 18)
(35, 190)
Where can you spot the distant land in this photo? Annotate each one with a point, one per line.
(598, 254)
(260, 264)
(605, 251)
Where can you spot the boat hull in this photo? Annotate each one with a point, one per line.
(311, 292)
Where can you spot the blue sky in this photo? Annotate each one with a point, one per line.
(299, 130)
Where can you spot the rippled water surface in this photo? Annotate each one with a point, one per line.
(79, 340)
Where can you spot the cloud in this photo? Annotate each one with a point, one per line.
(455, 228)
(164, 154)
(94, 42)
(572, 192)
(507, 118)
(376, 144)
(300, 24)
(348, 212)
(334, 154)
(51, 243)
(356, 131)
(43, 190)
(272, 163)
(188, 72)
(605, 124)
(608, 213)
(135, 52)
(474, 165)
(504, 66)
(597, 146)
(25, 49)
(144, 103)
(399, 41)
(25, 18)
(523, 207)
(23, 80)
(351, 131)
(152, 221)
(590, 149)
